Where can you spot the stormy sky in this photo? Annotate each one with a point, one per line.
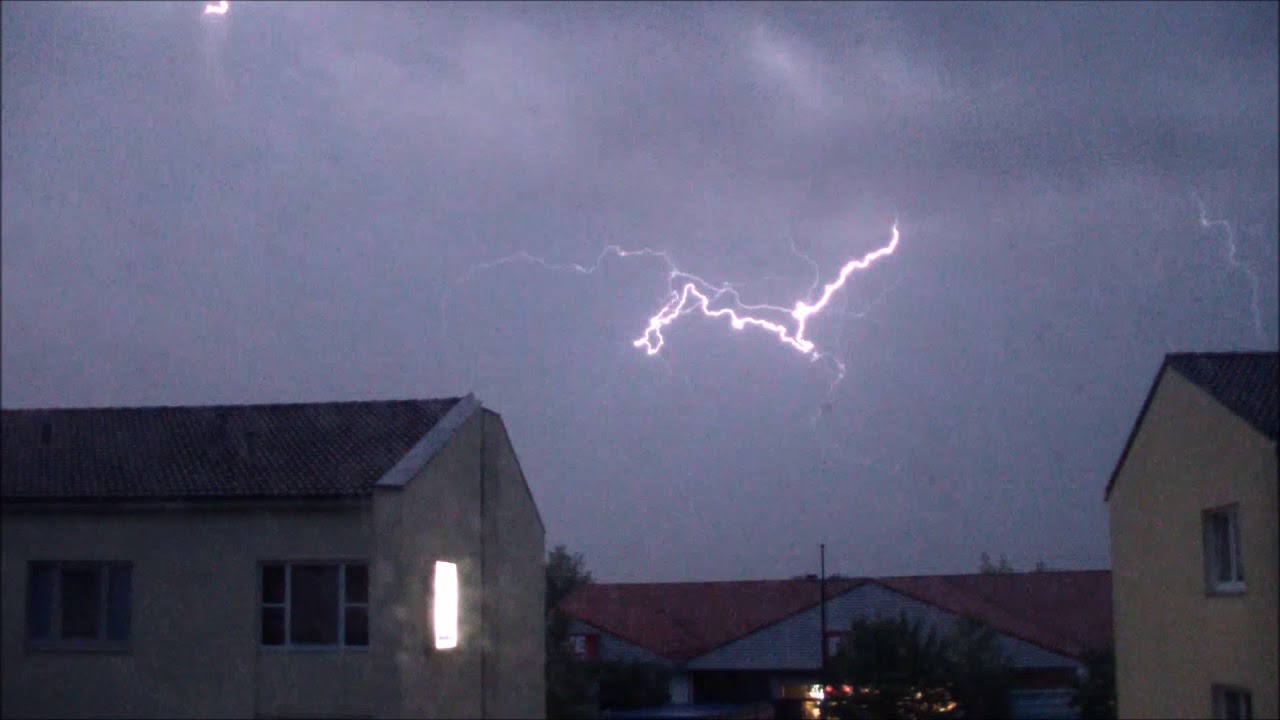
(283, 203)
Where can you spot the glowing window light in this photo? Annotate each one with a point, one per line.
(445, 592)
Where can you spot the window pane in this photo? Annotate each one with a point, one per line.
(314, 605)
(273, 626)
(1237, 566)
(357, 583)
(40, 601)
(81, 600)
(273, 583)
(1221, 534)
(119, 601)
(357, 629)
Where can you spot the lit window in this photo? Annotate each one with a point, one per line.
(79, 605)
(1224, 572)
(445, 612)
(583, 646)
(313, 604)
(1232, 703)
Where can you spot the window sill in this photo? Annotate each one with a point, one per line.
(71, 648)
(1225, 590)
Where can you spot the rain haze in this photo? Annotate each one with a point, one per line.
(286, 203)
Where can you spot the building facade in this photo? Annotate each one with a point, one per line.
(1195, 543)
(269, 561)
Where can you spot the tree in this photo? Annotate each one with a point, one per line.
(568, 682)
(985, 565)
(632, 684)
(1095, 690)
(895, 669)
(892, 669)
(979, 671)
(565, 572)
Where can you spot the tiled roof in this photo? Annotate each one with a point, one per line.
(1067, 612)
(1245, 382)
(337, 449)
(680, 621)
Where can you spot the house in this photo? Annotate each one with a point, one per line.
(344, 559)
(761, 641)
(1195, 548)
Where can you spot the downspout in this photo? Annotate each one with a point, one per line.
(484, 599)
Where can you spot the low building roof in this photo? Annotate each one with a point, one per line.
(242, 452)
(1067, 612)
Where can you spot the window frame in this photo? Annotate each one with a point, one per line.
(101, 643)
(1235, 553)
(1221, 691)
(343, 605)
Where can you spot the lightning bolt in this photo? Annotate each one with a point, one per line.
(218, 8)
(691, 293)
(1233, 259)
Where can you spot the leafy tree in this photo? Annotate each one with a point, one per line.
(1095, 690)
(569, 683)
(565, 572)
(632, 684)
(979, 672)
(894, 669)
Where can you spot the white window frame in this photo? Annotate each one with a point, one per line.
(1222, 694)
(99, 643)
(343, 605)
(1213, 585)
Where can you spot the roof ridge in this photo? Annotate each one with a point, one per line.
(220, 406)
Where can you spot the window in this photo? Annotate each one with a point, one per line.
(584, 646)
(79, 605)
(315, 604)
(1224, 572)
(1231, 703)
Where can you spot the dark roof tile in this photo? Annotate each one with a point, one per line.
(337, 449)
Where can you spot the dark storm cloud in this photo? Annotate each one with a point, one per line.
(273, 204)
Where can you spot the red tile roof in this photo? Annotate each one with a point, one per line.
(1067, 612)
(681, 621)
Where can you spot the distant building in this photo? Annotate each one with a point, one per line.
(269, 561)
(1195, 543)
(758, 641)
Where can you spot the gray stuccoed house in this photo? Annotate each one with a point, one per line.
(338, 560)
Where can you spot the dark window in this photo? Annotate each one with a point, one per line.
(314, 611)
(1224, 571)
(1231, 703)
(315, 604)
(80, 605)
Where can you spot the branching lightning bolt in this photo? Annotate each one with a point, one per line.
(1232, 257)
(689, 298)
(689, 293)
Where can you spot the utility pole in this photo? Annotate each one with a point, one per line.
(822, 605)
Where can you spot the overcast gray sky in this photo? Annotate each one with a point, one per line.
(279, 204)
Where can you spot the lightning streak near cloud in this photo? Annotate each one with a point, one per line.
(1229, 234)
(217, 8)
(691, 293)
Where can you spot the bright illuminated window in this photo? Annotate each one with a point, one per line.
(445, 615)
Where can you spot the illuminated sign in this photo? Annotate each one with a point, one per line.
(445, 614)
